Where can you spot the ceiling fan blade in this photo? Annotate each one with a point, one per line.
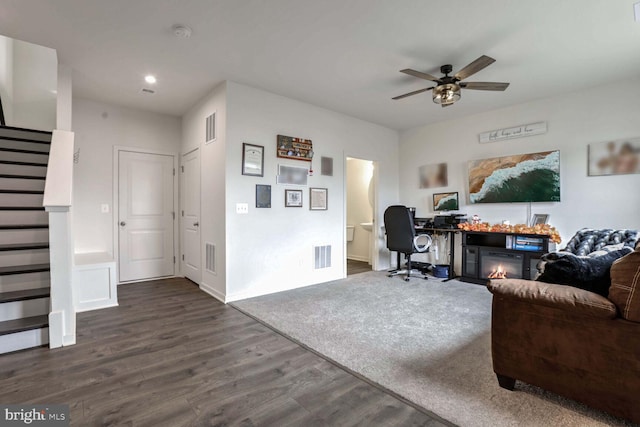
(484, 85)
(474, 67)
(420, 75)
(415, 92)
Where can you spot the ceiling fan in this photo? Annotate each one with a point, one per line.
(447, 90)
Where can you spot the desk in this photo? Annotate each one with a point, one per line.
(452, 251)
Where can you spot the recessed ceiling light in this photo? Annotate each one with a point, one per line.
(150, 79)
(181, 31)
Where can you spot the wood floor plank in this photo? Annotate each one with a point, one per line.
(170, 355)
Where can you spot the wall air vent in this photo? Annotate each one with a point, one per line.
(211, 129)
(322, 257)
(210, 257)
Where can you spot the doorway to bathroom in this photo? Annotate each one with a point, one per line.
(361, 231)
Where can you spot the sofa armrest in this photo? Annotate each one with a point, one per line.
(563, 297)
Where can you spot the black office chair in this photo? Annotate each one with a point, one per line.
(402, 238)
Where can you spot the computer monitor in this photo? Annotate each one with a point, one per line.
(445, 201)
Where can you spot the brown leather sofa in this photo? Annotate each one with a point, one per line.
(570, 341)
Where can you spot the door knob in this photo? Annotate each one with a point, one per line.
(196, 224)
(122, 223)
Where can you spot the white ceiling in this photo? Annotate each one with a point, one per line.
(343, 55)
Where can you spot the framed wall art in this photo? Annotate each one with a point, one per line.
(263, 196)
(532, 177)
(292, 175)
(614, 157)
(318, 199)
(294, 148)
(293, 198)
(252, 160)
(433, 175)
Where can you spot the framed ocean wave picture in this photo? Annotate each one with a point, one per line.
(533, 177)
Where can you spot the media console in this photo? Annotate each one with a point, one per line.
(488, 255)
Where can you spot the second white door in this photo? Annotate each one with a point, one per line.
(190, 215)
(145, 216)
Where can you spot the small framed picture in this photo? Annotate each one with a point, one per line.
(293, 198)
(318, 199)
(263, 196)
(252, 160)
(539, 219)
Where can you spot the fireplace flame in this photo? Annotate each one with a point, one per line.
(498, 273)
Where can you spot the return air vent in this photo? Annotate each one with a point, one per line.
(211, 129)
(322, 256)
(210, 257)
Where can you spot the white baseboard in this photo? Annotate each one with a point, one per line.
(98, 306)
(357, 258)
(258, 293)
(213, 292)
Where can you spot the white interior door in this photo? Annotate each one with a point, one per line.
(145, 216)
(190, 215)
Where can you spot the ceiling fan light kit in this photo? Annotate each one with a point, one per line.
(446, 94)
(448, 88)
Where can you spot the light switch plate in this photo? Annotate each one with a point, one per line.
(242, 208)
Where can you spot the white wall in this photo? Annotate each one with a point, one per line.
(212, 184)
(574, 121)
(98, 128)
(64, 101)
(35, 85)
(6, 77)
(269, 250)
(359, 210)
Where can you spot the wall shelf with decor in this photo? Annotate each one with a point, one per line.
(491, 255)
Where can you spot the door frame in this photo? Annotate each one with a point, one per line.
(375, 240)
(179, 214)
(116, 204)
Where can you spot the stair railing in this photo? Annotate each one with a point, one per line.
(57, 202)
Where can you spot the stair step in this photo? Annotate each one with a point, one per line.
(24, 324)
(22, 226)
(12, 162)
(22, 269)
(21, 129)
(21, 191)
(24, 295)
(21, 208)
(13, 133)
(24, 246)
(9, 175)
(34, 141)
(19, 150)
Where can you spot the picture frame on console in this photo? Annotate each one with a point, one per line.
(539, 219)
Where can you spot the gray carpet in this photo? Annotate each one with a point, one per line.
(427, 341)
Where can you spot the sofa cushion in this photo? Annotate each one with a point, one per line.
(625, 285)
(590, 273)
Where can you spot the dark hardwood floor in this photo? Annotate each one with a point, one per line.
(355, 267)
(170, 355)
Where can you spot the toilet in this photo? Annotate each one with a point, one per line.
(350, 231)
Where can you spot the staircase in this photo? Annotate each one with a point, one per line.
(24, 239)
